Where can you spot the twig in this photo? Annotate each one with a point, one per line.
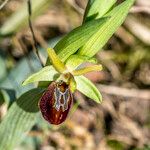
(141, 31)
(32, 31)
(139, 9)
(119, 91)
(103, 56)
(3, 4)
(75, 6)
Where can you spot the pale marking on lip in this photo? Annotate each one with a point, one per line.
(58, 95)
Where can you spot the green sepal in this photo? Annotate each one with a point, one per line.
(47, 73)
(86, 87)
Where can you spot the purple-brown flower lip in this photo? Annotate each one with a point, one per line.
(55, 103)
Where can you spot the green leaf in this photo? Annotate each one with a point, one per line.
(97, 8)
(77, 38)
(48, 73)
(86, 87)
(3, 69)
(99, 39)
(116, 145)
(19, 119)
(75, 60)
(20, 18)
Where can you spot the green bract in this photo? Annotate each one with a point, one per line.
(70, 44)
(97, 8)
(98, 40)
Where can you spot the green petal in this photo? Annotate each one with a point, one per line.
(55, 60)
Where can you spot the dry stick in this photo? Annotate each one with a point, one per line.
(124, 92)
(139, 9)
(3, 4)
(32, 31)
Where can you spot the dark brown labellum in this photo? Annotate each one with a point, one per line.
(56, 102)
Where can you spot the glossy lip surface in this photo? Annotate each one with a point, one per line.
(55, 103)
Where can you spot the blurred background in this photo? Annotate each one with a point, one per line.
(122, 121)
